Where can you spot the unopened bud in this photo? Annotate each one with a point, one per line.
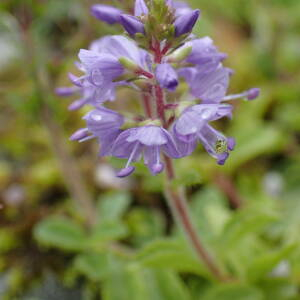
(128, 64)
(180, 54)
(185, 23)
(132, 24)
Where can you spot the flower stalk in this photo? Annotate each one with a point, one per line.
(178, 204)
(180, 211)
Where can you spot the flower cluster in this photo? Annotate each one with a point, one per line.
(154, 56)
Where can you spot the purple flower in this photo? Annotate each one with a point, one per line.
(93, 95)
(185, 22)
(204, 52)
(102, 123)
(101, 67)
(148, 140)
(160, 61)
(192, 127)
(167, 76)
(132, 24)
(106, 13)
(120, 46)
(208, 85)
(140, 8)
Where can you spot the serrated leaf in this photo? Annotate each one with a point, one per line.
(170, 254)
(61, 233)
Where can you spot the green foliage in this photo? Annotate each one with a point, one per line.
(131, 248)
(170, 254)
(61, 233)
(233, 291)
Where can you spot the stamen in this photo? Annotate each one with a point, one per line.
(249, 95)
(132, 155)
(128, 169)
(76, 80)
(82, 135)
(66, 91)
(207, 145)
(125, 172)
(157, 155)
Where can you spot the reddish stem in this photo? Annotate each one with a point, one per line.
(144, 73)
(166, 49)
(160, 105)
(158, 55)
(176, 199)
(178, 205)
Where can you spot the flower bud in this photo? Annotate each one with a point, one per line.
(167, 76)
(106, 13)
(180, 54)
(128, 64)
(185, 23)
(132, 24)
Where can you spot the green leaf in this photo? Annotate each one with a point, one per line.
(254, 142)
(94, 266)
(60, 232)
(170, 254)
(113, 205)
(107, 231)
(243, 223)
(233, 291)
(133, 282)
(170, 285)
(210, 211)
(145, 225)
(279, 289)
(123, 284)
(264, 264)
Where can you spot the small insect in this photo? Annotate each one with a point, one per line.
(221, 146)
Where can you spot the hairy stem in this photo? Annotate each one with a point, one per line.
(179, 208)
(160, 105)
(175, 195)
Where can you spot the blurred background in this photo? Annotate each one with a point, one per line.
(70, 230)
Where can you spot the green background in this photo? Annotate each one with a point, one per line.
(70, 230)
